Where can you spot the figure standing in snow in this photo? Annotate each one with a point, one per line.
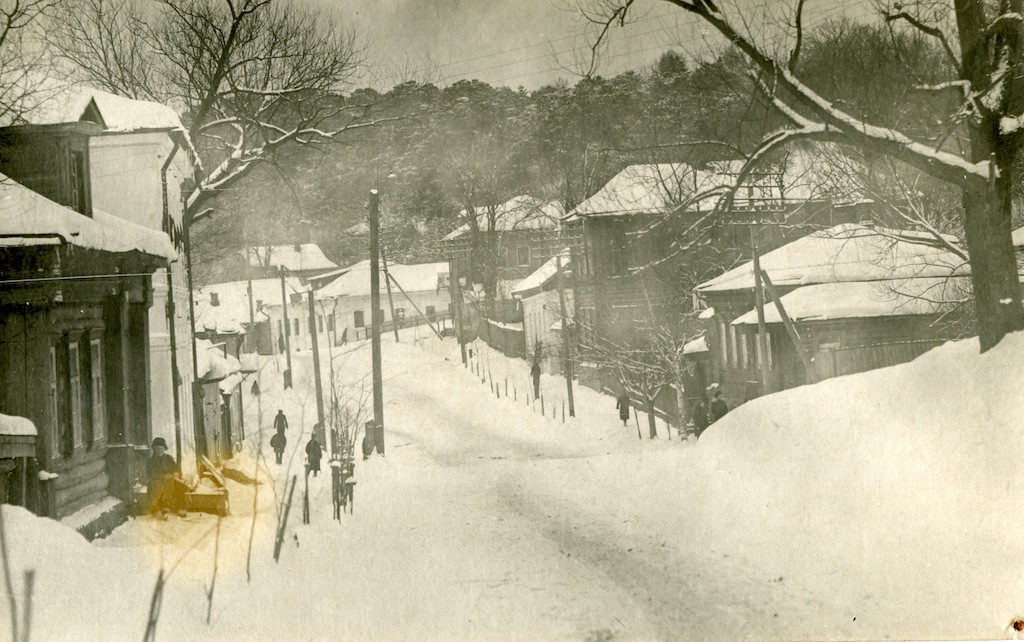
(718, 405)
(313, 454)
(278, 443)
(699, 416)
(535, 375)
(622, 403)
(280, 422)
(164, 486)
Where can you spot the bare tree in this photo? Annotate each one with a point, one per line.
(251, 77)
(23, 59)
(981, 40)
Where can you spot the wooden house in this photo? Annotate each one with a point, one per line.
(75, 293)
(859, 298)
(490, 255)
(653, 232)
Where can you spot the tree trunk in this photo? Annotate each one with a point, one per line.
(649, 407)
(988, 233)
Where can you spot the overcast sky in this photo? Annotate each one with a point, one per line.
(534, 42)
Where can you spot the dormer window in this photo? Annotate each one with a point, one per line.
(214, 299)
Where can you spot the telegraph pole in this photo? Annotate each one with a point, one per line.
(250, 336)
(316, 372)
(378, 390)
(762, 336)
(287, 331)
(566, 345)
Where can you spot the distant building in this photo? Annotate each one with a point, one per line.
(301, 260)
(419, 292)
(542, 316)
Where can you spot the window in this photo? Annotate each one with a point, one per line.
(330, 322)
(319, 323)
(431, 311)
(214, 299)
(54, 403)
(732, 345)
(724, 343)
(295, 326)
(99, 427)
(78, 189)
(523, 255)
(296, 297)
(357, 319)
(75, 390)
(744, 356)
(400, 314)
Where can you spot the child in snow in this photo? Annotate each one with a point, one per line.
(164, 486)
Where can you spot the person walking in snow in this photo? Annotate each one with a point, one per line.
(278, 443)
(718, 406)
(280, 422)
(313, 454)
(622, 403)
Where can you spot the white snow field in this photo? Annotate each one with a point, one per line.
(876, 506)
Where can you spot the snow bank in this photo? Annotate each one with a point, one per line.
(905, 478)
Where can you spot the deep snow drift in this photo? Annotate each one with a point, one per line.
(869, 506)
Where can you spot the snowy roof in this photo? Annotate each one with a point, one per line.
(27, 218)
(232, 310)
(803, 174)
(518, 213)
(297, 258)
(845, 253)
(825, 301)
(59, 104)
(698, 345)
(542, 275)
(419, 277)
(11, 425)
(649, 188)
(211, 362)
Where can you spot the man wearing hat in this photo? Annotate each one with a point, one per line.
(164, 485)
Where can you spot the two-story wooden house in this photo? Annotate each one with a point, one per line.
(118, 164)
(75, 292)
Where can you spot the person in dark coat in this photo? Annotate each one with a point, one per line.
(699, 416)
(280, 422)
(164, 486)
(718, 406)
(535, 376)
(622, 403)
(278, 443)
(313, 454)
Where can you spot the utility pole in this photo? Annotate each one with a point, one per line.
(375, 321)
(316, 371)
(762, 336)
(198, 419)
(287, 331)
(250, 335)
(566, 345)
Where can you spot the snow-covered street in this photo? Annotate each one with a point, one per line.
(488, 521)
